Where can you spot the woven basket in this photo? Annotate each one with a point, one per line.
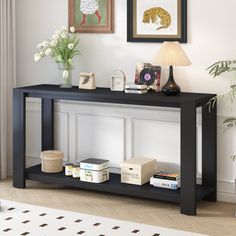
(52, 161)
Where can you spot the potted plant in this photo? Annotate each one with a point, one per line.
(216, 70)
(62, 48)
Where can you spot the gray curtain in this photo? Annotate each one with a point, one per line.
(7, 82)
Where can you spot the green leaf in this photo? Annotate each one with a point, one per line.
(233, 157)
(230, 122)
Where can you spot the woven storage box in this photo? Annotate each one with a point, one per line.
(52, 161)
(138, 170)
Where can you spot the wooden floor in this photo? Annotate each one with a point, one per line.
(212, 219)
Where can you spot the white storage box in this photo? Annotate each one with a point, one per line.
(94, 176)
(138, 170)
(94, 164)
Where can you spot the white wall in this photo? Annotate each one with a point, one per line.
(211, 37)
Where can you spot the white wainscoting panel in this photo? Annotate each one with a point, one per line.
(119, 132)
(100, 137)
(33, 133)
(157, 139)
(61, 133)
(225, 148)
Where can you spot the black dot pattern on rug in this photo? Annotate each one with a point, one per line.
(43, 214)
(11, 209)
(77, 221)
(78, 225)
(43, 225)
(26, 221)
(25, 212)
(116, 227)
(96, 224)
(25, 233)
(81, 232)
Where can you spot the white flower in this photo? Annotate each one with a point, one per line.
(54, 43)
(72, 29)
(64, 28)
(41, 54)
(37, 57)
(64, 35)
(45, 43)
(56, 36)
(48, 51)
(71, 45)
(65, 74)
(57, 32)
(39, 46)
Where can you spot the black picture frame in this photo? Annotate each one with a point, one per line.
(133, 37)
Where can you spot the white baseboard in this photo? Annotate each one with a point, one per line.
(226, 197)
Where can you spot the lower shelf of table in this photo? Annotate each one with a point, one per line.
(114, 186)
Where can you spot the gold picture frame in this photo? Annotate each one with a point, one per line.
(91, 16)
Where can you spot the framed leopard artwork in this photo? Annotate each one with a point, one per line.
(157, 20)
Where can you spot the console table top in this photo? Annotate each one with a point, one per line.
(105, 95)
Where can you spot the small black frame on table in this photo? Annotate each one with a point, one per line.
(189, 193)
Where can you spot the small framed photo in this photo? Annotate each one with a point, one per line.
(87, 81)
(157, 20)
(147, 74)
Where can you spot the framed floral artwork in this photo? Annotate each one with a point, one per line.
(92, 16)
(157, 20)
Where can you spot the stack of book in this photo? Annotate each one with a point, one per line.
(165, 179)
(136, 88)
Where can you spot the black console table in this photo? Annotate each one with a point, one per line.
(189, 193)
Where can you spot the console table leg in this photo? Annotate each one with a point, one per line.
(209, 139)
(18, 139)
(188, 159)
(47, 124)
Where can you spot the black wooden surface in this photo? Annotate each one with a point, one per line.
(187, 102)
(105, 95)
(115, 186)
(47, 125)
(188, 158)
(209, 150)
(18, 139)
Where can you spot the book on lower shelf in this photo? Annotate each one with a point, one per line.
(165, 183)
(167, 175)
(166, 179)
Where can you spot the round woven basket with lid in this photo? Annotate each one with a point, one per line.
(52, 161)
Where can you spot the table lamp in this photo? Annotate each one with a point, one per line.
(171, 54)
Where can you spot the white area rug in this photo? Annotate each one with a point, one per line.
(22, 219)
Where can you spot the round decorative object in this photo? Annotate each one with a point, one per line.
(52, 161)
(147, 76)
